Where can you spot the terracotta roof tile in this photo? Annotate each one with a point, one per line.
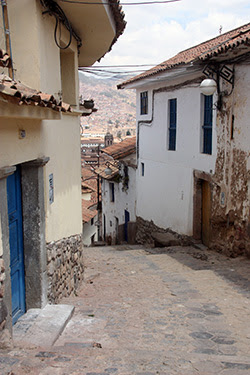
(122, 149)
(18, 93)
(87, 214)
(101, 171)
(5, 60)
(206, 50)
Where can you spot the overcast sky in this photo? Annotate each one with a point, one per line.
(157, 32)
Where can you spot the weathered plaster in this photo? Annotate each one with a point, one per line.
(34, 233)
(230, 208)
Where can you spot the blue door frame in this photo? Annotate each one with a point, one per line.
(16, 245)
(127, 218)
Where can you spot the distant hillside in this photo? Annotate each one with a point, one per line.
(116, 108)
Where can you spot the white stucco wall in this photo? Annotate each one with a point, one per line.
(36, 57)
(37, 61)
(62, 145)
(165, 192)
(59, 140)
(124, 200)
(88, 231)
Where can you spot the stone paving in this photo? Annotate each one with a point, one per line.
(144, 311)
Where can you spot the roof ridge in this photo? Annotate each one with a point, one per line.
(218, 36)
(206, 49)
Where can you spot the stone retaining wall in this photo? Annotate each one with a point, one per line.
(65, 267)
(5, 337)
(2, 309)
(145, 229)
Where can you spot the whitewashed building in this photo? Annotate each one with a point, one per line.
(193, 149)
(119, 191)
(89, 215)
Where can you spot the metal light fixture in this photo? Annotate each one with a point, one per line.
(209, 85)
(108, 171)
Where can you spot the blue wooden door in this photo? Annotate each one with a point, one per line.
(127, 218)
(16, 245)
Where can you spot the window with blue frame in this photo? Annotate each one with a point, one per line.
(144, 103)
(207, 124)
(142, 169)
(112, 191)
(172, 124)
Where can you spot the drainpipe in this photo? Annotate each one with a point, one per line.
(7, 35)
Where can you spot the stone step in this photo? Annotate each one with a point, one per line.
(42, 327)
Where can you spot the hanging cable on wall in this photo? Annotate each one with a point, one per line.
(54, 9)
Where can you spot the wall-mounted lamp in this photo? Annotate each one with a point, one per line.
(108, 170)
(209, 85)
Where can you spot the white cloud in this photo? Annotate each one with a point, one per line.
(155, 33)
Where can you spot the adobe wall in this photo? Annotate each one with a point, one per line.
(230, 214)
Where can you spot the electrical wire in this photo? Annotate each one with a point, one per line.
(110, 71)
(55, 34)
(114, 75)
(123, 4)
(54, 9)
(119, 66)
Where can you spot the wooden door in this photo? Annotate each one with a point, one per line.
(206, 210)
(16, 245)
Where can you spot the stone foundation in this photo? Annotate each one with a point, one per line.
(3, 312)
(5, 336)
(65, 267)
(230, 237)
(145, 229)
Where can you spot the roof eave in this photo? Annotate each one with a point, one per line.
(98, 26)
(171, 73)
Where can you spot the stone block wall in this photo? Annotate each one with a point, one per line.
(65, 267)
(5, 334)
(145, 228)
(2, 309)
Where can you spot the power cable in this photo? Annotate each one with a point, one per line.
(54, 9)
(119, 66)
(123, 4)
(111, 72)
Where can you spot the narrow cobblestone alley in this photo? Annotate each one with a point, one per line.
(142, 311)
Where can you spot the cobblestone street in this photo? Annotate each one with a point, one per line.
(144, 311)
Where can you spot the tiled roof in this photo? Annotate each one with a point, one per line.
(89, 179)
(87, 214)
(86, 188)
(207, 50)
(122, 149)
(5, 60)
(114, 170)
(18, 93)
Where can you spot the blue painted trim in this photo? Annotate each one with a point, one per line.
(14, 195)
